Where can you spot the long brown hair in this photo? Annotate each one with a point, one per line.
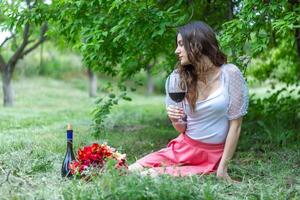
(203, 52)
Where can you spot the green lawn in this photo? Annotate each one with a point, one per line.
(33, 143)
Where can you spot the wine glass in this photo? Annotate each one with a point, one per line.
(177, 89)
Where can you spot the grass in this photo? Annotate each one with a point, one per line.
(33, 143)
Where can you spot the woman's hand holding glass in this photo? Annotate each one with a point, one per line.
(176, 114)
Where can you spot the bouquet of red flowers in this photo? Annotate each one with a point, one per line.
(92, 160)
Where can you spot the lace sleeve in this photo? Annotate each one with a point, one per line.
(238, 93)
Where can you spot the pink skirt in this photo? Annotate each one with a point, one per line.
(184, 156)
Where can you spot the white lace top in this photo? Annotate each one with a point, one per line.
(210, 121)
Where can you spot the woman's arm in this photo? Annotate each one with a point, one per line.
(230, 147)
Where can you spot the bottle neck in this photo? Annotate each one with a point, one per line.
(69, 146)
(69, 139)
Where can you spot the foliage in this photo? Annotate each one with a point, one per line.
(53, 63)
(101, 112)
(111, 37)
(18, 14)
(260, 25)
(273, 120)
(158, 78)
(280, 63)
(120, 39)
(206, 11)
(111, 34)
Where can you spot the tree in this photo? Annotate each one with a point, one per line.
(92, 83)
(122, 37)
(258, 26)
(119, 38)
(150, 84)
(16, 17)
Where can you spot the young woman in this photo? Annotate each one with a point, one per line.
(216, 101)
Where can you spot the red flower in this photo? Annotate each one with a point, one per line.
(95, 147)
(95, 156)
(120, 164)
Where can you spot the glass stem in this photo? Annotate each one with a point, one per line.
(183, 107)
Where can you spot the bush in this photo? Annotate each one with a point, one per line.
(55, 63)
(272, 121)
(158, 79)
(281, 63)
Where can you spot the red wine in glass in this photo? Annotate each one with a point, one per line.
(177, 96)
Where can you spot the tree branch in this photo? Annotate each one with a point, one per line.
(13, 60)
(190, 18)
(28, 3)
(44, 29)
(190, 2)
(20, 52)
(293, 1)
(6, 39)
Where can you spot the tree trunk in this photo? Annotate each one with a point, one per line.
(150, 84)
(41, 70)
(92, 83)
(230, 17)
(230, 9)
(8, 97)
(297, 36)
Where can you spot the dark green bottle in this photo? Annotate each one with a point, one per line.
(69, 157)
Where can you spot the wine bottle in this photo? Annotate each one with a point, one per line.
(69, 157)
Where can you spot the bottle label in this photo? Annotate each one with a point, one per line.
(69, 135)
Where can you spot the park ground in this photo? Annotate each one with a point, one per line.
(33, 144)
